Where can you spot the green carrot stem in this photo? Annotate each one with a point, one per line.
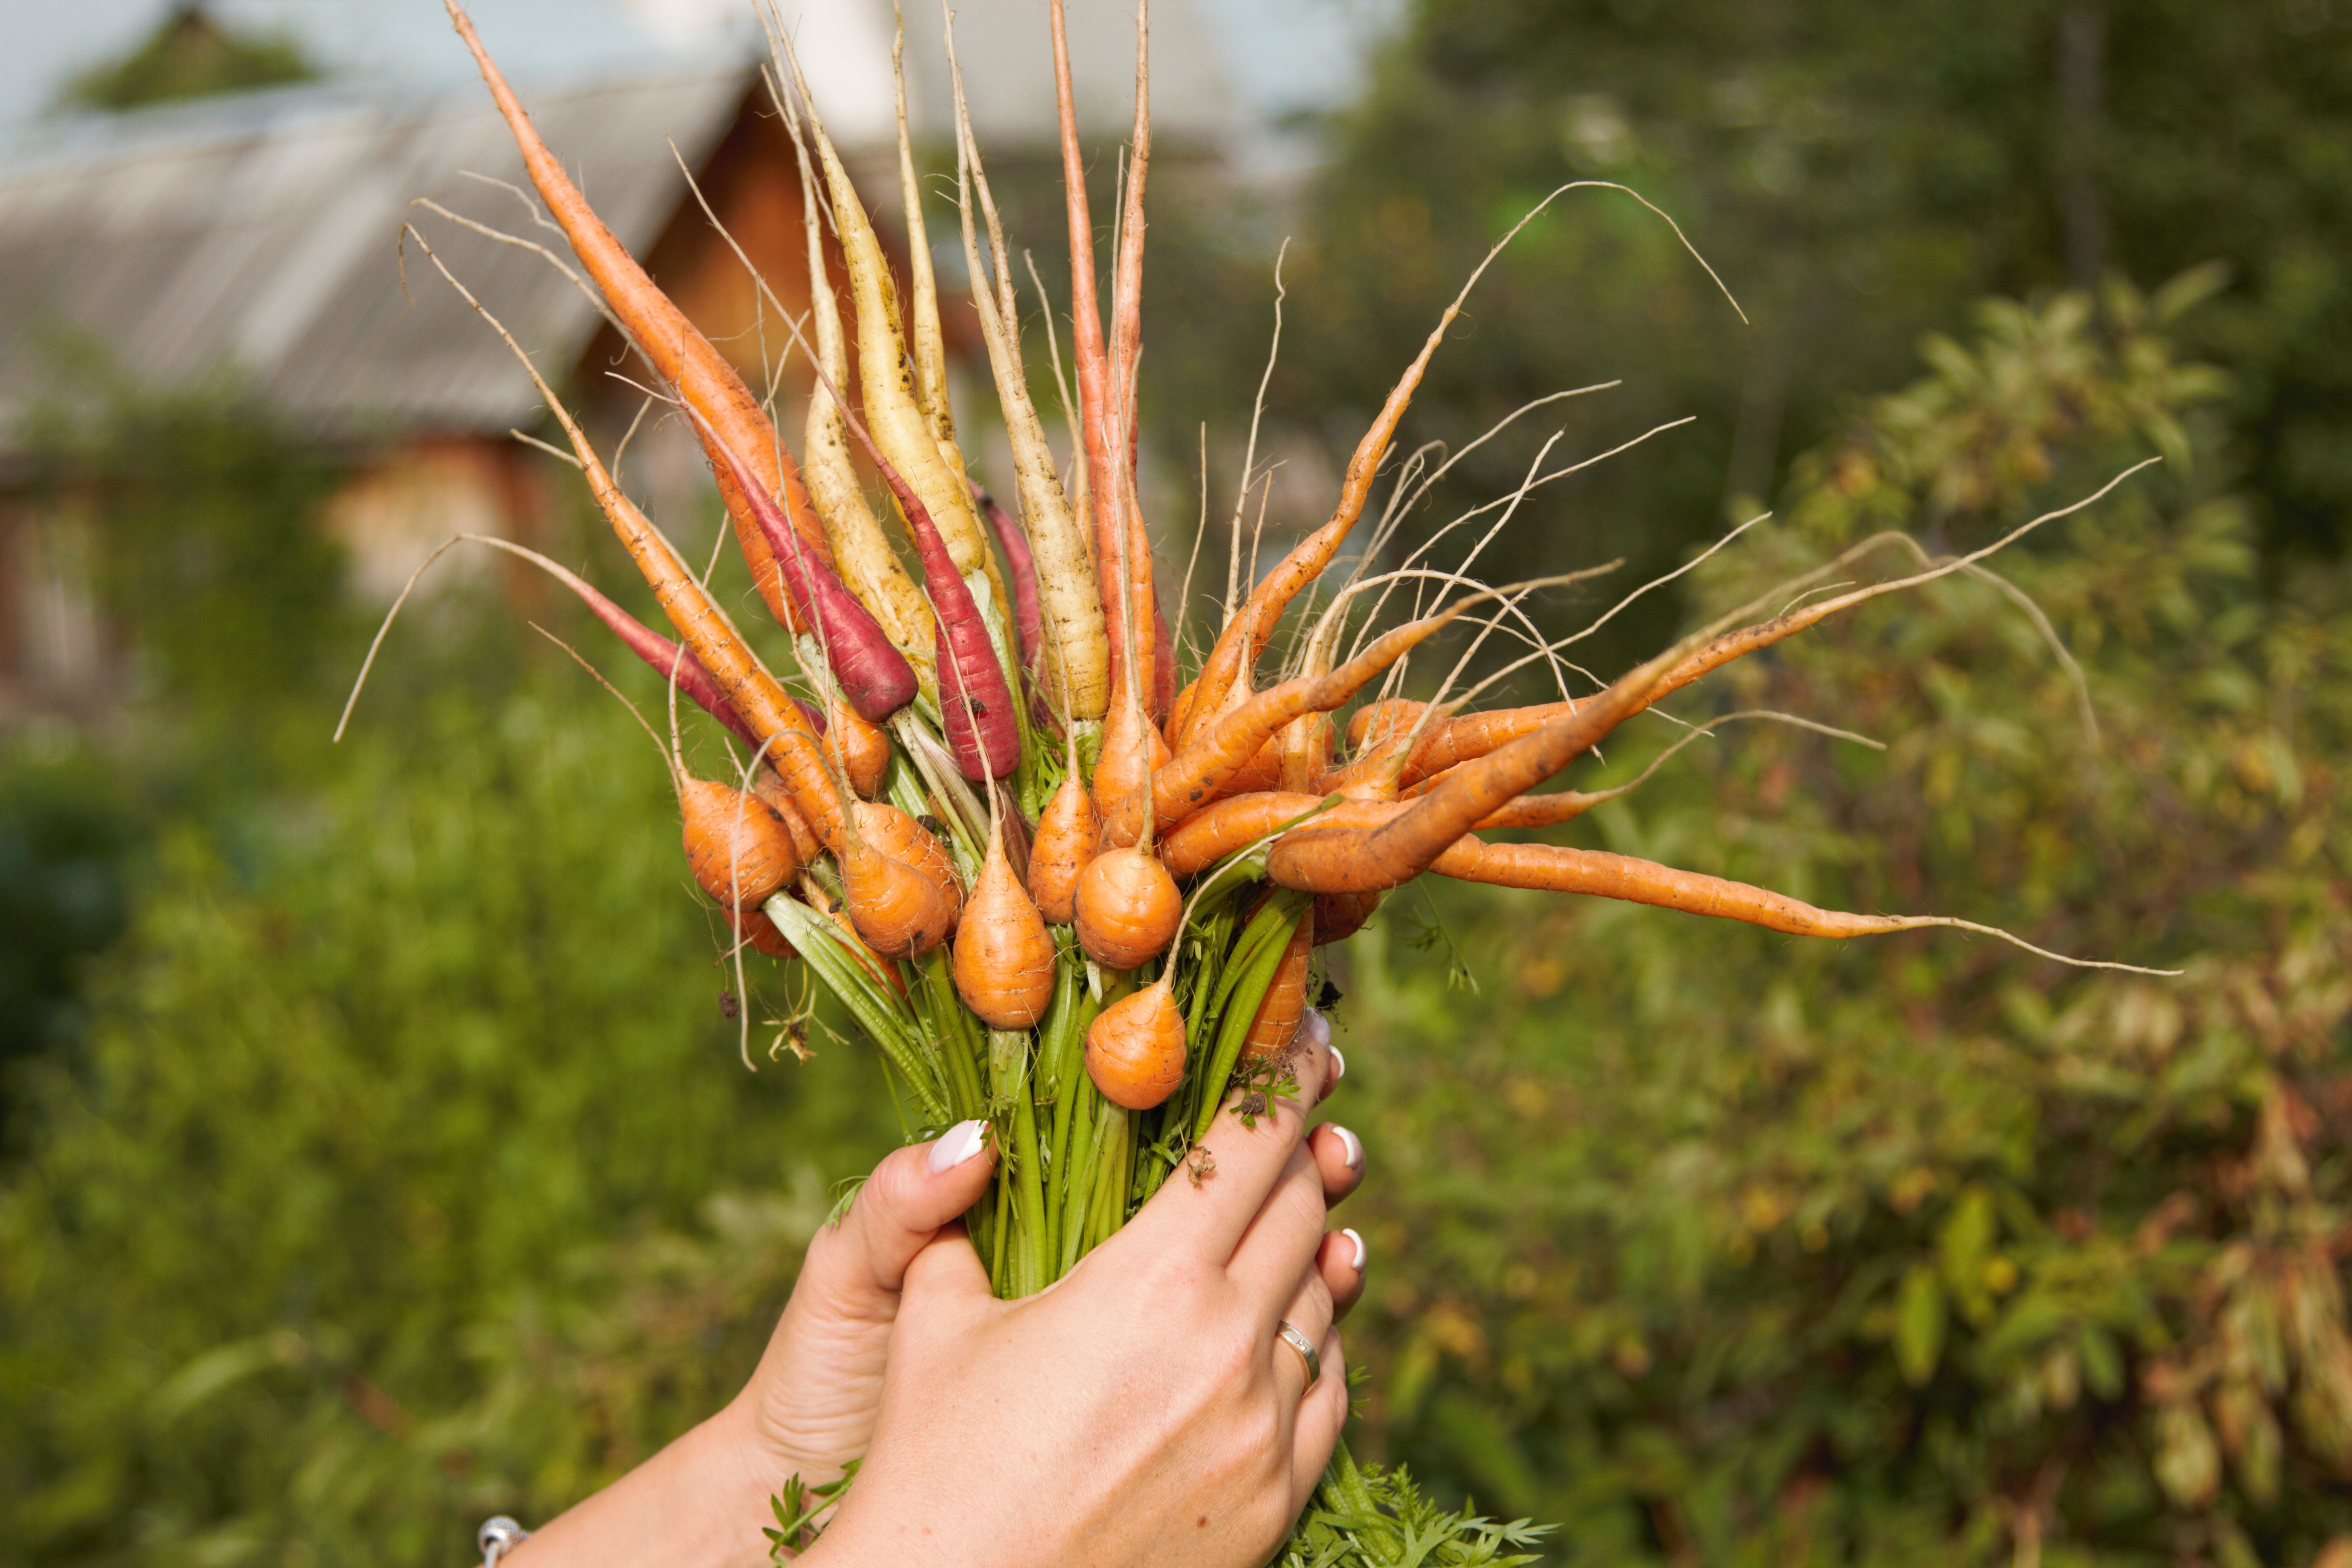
(1249, 981)
(996, 1245)
(1029, 1266)
(952, 1033)
(1077, 1177)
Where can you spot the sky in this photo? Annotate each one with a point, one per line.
(1283, 57)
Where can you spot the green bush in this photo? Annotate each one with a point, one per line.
(408, 1171)
(1727, 1247)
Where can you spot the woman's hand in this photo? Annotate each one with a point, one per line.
(810, 1406)
(1144, 1411)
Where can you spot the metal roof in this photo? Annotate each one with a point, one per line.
(261, 233)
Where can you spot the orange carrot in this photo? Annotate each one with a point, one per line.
(1339, 916)
(770, 788)
(1003, 958)
(760, 933)
(790, 741)
(1557, 869)
(1233, 824)
(859, 747)
(1326, 856)
(1127, 909)
(738, 847)
(675, 346)
(1132, 752)
(1067, 832)
(1135, 1047)
(1275, 1024)
(1245, 635)
(1224, 746)
(900, 892)
(1113, 534)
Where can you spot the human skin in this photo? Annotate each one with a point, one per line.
(1153, 1368)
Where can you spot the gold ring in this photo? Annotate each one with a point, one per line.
(1295, 1337)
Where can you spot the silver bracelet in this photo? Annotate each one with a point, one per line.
(497, 1537)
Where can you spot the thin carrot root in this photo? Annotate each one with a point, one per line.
(670, 342)
(1285, 1003)
(1557, 869)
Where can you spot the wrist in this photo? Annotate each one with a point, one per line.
(702, 1502)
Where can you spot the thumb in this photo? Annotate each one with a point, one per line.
(947, 1275)
(901, 1207)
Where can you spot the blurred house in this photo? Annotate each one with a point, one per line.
(260, 234)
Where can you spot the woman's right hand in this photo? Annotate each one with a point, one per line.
(1144, 1411)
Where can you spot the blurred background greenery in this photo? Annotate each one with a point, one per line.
(378, 1154)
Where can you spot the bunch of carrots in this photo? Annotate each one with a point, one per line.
(1055, 887)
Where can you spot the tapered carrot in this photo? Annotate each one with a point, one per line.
(1275, 1024)
(893, 410)
(1029, 622)
(657, 650)
(870, 671)
(1245, 634)
(1075, 660)
(1326, 858)
(1096, 397)
(1069, 831)
(1557, 869)
(1003, 959)
(674, 346)
(790, 741)
(1232, 825)
(1464, 737)
(1231, 741)
(860, 548)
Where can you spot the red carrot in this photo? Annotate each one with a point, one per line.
(675, 346)
(1027, 618)
(872, 674)
(975, 702)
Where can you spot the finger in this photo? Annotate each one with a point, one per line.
(1309, 1311)
(1281, 1242)
(1341, 1260)
(1315, 1025)
(1321, 1415)
(900, 1209)
(1340, 1156)
(944, 1279)
(1238, 1162)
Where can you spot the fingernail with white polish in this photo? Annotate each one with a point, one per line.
(1359, 1240)
(957, 1144)
(1339, 1063)
(1355, 1155)
(1314, 1027)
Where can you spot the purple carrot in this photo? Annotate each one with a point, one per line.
(1016, 545)
(1026, 618)
(976, 710)
(1163, 666)
(975, 703)
(643, 641)
(872, 674)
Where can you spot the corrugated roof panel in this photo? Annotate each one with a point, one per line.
(268, 241)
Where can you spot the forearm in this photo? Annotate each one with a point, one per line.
(699, 1503)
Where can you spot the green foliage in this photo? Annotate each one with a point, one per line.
(1859, 172)
(64, 832)
(409, 1173)
(1729, 1246)
(1374, 1517)
(189, 56)
(207, 513)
